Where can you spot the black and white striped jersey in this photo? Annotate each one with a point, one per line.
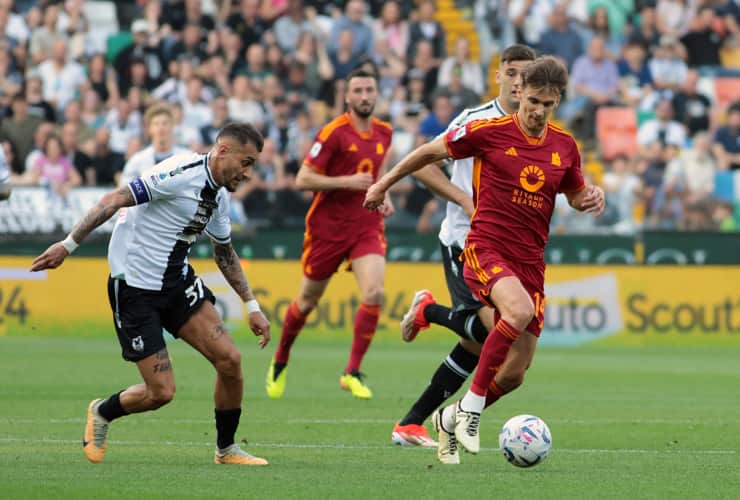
(176, 200)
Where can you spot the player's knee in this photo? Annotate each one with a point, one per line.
(520, 314)
(230, 364)
(307, 303)
(374, 296)
(161, 395)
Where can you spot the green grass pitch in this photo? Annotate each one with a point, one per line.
(651, 422)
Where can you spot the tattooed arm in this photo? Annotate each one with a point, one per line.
(230, 266)
(97, 215)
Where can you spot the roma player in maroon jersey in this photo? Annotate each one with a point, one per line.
(521, 163)
(347, 157)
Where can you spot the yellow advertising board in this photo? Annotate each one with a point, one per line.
(584, 303)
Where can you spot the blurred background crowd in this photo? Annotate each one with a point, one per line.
(654, 98)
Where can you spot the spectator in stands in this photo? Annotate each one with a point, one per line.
(622, 187)
(702, 42)
(561, 39)
(277, 131)
(258, 195)
(428, 29)
(471, 72)
(668, 67)
(107, 164)
(692, 172)
(179, 14)
(73, 22)
(242, 105)
(16, 29)
(52, 168)
(196, 114)
(673, 16)
(646, 32)
(11, 80)
(79, 159)
(247, 23)
(44, 37)
(437, 121)
(123, 123)
(42, 133)
(691, 107)
(289, 26)
(726, 144)
(599, 25)
(190, 45)
(215, 74)
(61, 79)
(37, 105)
(311, 52)
(391, 27)
(424, 64)
(73, 114)
(353, 21)
(92, 114)
(342, 59)
(20, 129)
(635, 79)
(219, 118)
(662, 129)
(255, 67)
(102, 79)
(595, 81)
(143, 47)
(390, 68)
(461, 96)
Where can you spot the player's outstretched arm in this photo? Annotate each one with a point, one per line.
(438, 183)
(590, 199)
(430, 152)
(230, 266)
(97, 215)
(309, 179)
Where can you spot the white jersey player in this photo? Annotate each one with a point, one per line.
(152, 286)
(467, 317)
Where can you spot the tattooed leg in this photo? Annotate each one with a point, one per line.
(158, 388)
(207, 334)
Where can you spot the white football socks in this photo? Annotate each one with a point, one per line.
(472, 402)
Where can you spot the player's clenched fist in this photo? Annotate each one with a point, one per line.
(359, 181)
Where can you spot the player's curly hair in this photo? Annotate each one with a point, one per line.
(545, 72)
(243, 133)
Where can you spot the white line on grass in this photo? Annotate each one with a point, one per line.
(258, 444)
(352, 421)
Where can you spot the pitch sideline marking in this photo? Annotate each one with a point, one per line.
(362, 447)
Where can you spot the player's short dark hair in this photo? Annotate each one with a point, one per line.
(734, 107)
(361, 72)
(545, 72)
(518, 52)
(243, 133)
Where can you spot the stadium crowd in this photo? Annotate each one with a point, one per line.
(74, 88)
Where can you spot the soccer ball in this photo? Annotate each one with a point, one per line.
(525, 440)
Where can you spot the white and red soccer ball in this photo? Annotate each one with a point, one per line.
(525, 440)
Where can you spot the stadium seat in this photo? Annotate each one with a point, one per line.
(726, 90)
(730, 57)
(103, 22)
(616, 131)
